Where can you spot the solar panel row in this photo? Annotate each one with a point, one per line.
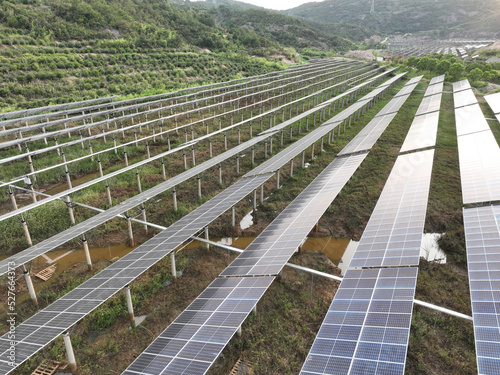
(478, 151)
(367, 326)
(494, 103)
(393, 234)
(423, 130)
(194, 340)
(482, 236)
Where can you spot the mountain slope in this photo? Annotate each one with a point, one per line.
(405, 16)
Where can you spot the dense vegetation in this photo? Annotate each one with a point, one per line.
(61, 51)
(471, 18)
(479, 73)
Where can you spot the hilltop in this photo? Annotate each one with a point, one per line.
(443, 18)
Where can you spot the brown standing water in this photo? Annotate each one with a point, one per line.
(333, 247)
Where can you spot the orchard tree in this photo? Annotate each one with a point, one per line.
(456, 70)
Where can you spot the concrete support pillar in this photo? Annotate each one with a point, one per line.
(130, 306)
(130, 232)
(271, 145)
(254, 310)
(278, 179)
(225, 141)
(253, 155)
(262, 194)
(233, 216)
(282, 138)
(312, 152)
(193, 156)
(174, 199)
(199, 186)
(163, 169)
(31, 288)
(87, 252)
(69, 352)
(220, 174)
(255, 200)
(12, 198)
(210, 147)
(70, 209)
(108, 194)
(66, 171)
(185, 159)
(303, 159)
(26, 232)
(172, 266)
(207, 246)
(138, 178)
(237, 164)
(238, 331)
(143, 213)
(125, 156)
(291, 168)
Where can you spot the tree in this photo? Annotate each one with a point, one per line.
(475, 75)
(443, 67)
(422, 64)
(456, 70)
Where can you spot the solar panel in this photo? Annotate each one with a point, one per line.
(479, 157)
(482, 236)
(434, 89)
(464, 98)
(393, 234)
(437, 79)
(270, 251)
(367, 137)
(494, 102)
(367, 326)
(406, 90)
(194, 340)
(429, 104)
(422, 132)
(461, 85)
(394, 105)
(73, 306)
(470, 120)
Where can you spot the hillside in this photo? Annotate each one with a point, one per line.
(408, 16)
(286, 30)
(70, 50)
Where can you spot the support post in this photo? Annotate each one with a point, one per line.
(278, 179)
(172, 266)
(31, 288)
(87, 252)
(291, 168)
(130, 232)
(207, 246)
(220, 174)
(255, 200)
(143, 213)
(233, 217)
(26, 232)
(174, 198)
(199, 186)
(262, 194)
(69, 351)
(108, 194)
(130, 306)
(238, 331)
(70, 209)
